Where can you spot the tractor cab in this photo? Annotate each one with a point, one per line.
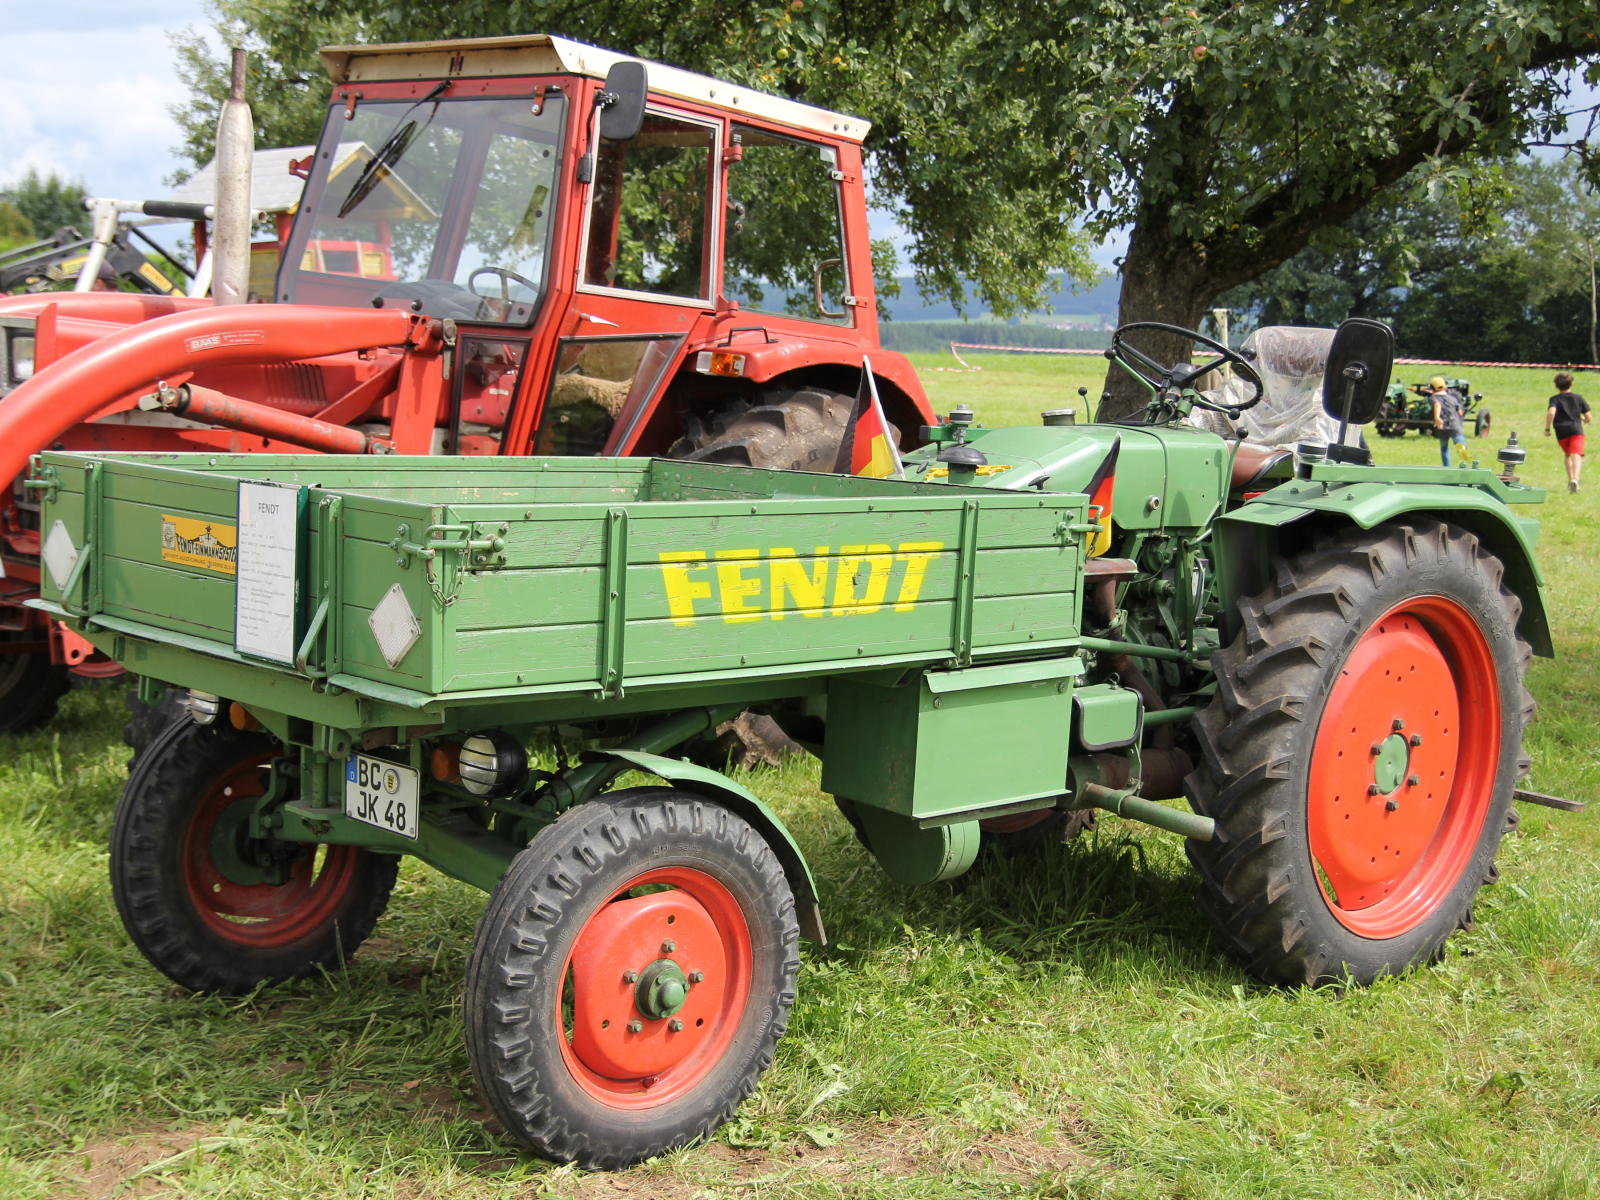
(699, 247)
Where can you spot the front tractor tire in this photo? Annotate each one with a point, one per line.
(1360, 755)
(632, 973)
(787, 429)
(212, 908)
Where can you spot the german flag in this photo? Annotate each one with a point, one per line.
(868, 447)
(1100, 489)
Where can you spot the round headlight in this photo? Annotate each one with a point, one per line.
(493, 764)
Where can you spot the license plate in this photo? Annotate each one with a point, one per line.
(382, 794)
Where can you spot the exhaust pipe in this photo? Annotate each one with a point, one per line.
(236, 148)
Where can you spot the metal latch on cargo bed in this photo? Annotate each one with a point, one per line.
(484, 544)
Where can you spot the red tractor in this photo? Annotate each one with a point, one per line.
(517, 245)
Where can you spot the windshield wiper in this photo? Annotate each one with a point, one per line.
(390, 153)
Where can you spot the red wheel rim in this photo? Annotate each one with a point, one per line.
(1404, 766)
(621, 1055)
(259, 915)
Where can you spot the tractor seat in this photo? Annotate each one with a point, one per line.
(1252, 462)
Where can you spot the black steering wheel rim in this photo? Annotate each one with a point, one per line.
(1172, 376)
(505, 290)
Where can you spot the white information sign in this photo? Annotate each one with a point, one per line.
(269, 523)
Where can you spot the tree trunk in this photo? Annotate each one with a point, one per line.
(1162, 280)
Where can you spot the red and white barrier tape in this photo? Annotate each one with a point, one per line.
(1416, 362)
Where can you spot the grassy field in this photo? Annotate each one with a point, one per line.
(1061, 1029)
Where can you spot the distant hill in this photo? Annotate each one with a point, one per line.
(911, 337)
(1098, 301)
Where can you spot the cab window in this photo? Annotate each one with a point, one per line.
(649, 220)
(783, 251)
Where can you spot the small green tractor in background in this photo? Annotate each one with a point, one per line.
(1322, 657)
(1402, 410)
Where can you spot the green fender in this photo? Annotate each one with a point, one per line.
(1244, 543)
(741, 800)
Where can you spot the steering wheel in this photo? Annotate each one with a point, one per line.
(1164, 378)
(505, 282)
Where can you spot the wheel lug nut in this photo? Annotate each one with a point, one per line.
(675, 1026)
(668, 946)
(1377, 748)
(696, 976)
(1416, 739)
(1398, 724)
(1372, 789)
(1393, 804)
(635, 1026)
(1413, 780)
(630, 977)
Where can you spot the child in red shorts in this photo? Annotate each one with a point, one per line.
(1567, 415)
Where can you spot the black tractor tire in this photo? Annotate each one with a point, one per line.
(1303, 670)
(787, 429)
(229, 933)
(146, 722)
(575, 1100)
(1481, 422)
(30, 688)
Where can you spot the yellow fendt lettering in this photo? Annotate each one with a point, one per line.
(876, 561)
(789, 578)
(860, 586)
(735, 587)
(916, 556)
(682, 592)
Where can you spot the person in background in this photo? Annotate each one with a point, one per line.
(1567, 415)
(107, 280)
(1447, 409)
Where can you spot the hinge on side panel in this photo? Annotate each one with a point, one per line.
(855, 301)
(839, 176)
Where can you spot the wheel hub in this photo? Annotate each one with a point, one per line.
(647, 985)
(1389, 764)
(1384, 765)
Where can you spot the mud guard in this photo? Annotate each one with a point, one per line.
(1245, 538)
(717, 786)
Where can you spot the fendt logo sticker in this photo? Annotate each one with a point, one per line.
(206, 544)
(754, 585)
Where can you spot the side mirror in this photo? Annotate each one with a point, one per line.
(1356, 378)
(622, 101)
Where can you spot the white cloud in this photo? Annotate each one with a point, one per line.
(87, 90)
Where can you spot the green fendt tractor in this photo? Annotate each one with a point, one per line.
(1035, 623)
(1401, 411)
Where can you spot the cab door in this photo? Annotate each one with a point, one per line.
(647, 281)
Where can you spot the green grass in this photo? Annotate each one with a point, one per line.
(1063, 1028)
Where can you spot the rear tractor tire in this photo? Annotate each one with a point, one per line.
(1360, 755)
(632, 973)
(30, 688)
(196, 893)
(788, 429)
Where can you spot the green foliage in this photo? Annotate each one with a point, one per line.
(47, 203)
(15, 229)
(287, 87)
